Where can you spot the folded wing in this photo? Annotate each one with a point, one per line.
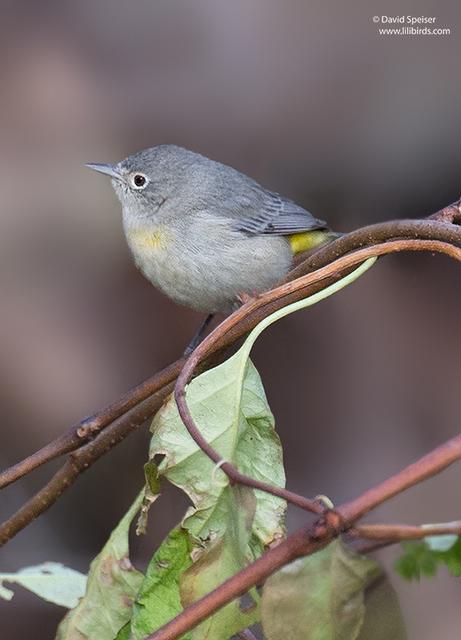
(279, 216)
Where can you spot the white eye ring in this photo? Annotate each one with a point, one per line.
(139, 181)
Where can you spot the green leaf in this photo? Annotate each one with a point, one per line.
(223, 557)
(453, 563)
(51, 581)
(112, 585)
(452, 558)
(407, 565)
(320, 597)
(158, 599)
(422, 557)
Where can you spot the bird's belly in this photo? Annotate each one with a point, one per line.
(207, 277)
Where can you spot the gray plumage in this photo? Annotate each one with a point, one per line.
(201, 231)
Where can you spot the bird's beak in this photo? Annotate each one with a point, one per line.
(108, 169)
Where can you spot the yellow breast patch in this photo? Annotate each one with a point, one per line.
(148, 239)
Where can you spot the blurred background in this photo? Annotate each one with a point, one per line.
(308, 99)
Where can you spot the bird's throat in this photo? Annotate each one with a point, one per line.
(147, 239)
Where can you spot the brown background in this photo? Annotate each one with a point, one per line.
(311, 101)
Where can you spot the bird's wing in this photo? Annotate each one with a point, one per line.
(278, 216)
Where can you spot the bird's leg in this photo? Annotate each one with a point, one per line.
(199, 335)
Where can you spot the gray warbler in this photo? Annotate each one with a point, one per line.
(205, 234)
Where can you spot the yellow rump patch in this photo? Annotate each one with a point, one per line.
(306, 240)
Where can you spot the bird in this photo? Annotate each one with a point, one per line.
(205, 234)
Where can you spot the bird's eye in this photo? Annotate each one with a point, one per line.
(139, 181)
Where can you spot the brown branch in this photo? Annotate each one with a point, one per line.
(374, 541)
(398, 532)
(432, 463)
(384, 535)
(125, 415)
(309, 539)
(87, 429)
(78, 462)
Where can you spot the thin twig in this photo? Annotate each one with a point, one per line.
(308, 540)
(398, 532)
(379, 536)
